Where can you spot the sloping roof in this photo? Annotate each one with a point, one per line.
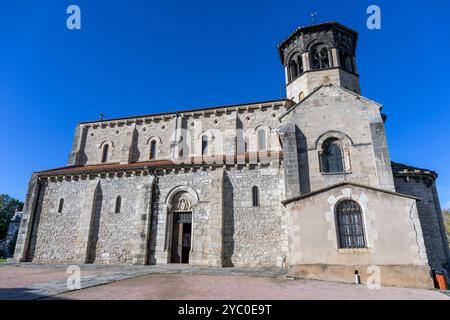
(189, 110)
(341, 184)
(154, 164)
(313, 27)
(324, 86)
(402, 169)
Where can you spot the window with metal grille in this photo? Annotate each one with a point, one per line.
(350, 225)
(255, 196)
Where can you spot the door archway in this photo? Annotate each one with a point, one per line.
(181, 201)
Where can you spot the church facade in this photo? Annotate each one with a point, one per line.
(305, 183)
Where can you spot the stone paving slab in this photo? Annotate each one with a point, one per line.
(27, 281)
(223, 287)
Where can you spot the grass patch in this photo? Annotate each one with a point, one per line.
(2, 260)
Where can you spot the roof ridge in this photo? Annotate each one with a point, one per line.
(188, 110)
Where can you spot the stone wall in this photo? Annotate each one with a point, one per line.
(332, 112)
(393, 238)
(429, 217)
(129, 140)
(113, 237)
(252, 236)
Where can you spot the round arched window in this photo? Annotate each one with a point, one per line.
(350, 225)
(332, 157)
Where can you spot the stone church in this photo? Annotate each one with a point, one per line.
(303, 183)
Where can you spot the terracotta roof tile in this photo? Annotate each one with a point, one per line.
(164, 163)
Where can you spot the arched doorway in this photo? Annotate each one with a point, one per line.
(179, 229)
(181, 237)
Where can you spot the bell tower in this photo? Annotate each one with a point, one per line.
(318, 55)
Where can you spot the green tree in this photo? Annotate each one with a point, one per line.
(8, 206)
(446, 214)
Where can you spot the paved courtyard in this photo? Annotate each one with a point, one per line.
(34, 281)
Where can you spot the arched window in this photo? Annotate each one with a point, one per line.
(332, 160)
(320, 57)
(204, 145)
(118, 204)
(346, 61)
(350, 225)
(153, 150)
(293, 70)
(300, 65)
(255, 196)
(295, 67)
(61, 205)
(262, 140)
(105, 153)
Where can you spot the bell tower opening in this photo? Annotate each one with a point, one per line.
(320, 54)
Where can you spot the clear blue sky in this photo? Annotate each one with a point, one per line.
(136, 57)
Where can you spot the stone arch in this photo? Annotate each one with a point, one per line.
(180, 222)
(344, 139)
(325, 42)
(292, 54)
(340, 139)
(181, 191)
(110, 142)
(215, 142)
(294, 64)
(157, 138)
(148, 145)
(110, 145)
(346, 57)
(251, 137)
(349, 193)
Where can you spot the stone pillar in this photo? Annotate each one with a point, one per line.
(142, 222)
(290, 160)
(26, 223)
(127, 148)
(382, 159)
(330, 58)
(77, 146)
(306, 61)
(162, 236)
(216, 220)
(86, 220)
(286, 74)
(355, 66)
(230, 137)
(335, 56)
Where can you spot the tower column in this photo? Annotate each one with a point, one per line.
(335, 55)
(355, 66)
(305, 59)
(330, 58)
(286, 74)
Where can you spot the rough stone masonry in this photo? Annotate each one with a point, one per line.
(305, 183)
